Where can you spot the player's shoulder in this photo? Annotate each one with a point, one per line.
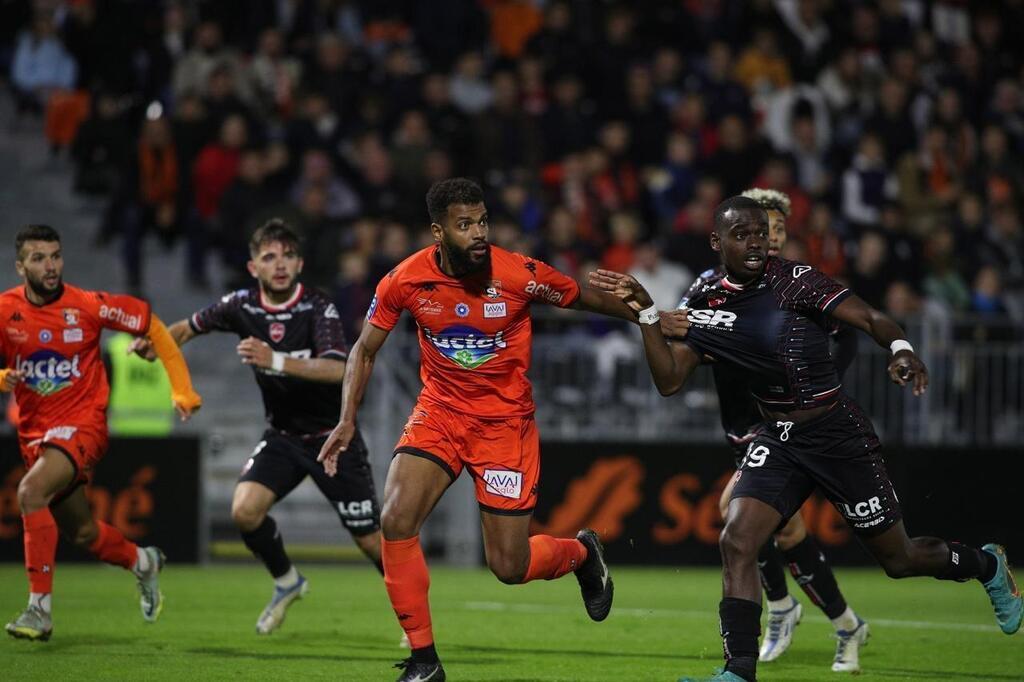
(13, 295)
(415, 266)
(780, 270)
(512, 265)
(705, 281)
(320, 301)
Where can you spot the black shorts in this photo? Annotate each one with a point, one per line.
(281, 462)
(837, 452)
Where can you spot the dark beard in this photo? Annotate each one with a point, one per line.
(462, 264)
(40, 290)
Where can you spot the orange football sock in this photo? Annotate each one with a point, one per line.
(40, 549)
(552, 558)
(408, 582)
(113, 547)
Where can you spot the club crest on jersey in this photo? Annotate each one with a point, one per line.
(71, 317)
(45, 335)
(17, 335)
(494, 289)
(46, 371)
(461, 309)
(428, 306)
(467, 347)
(276, 331)
(715, 301)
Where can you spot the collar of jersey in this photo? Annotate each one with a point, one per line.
(24, 295)
(276, 308)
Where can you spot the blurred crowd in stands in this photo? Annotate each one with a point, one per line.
(603, 132)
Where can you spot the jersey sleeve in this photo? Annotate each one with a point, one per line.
(219, 317)
(807, 290)
(328, 333)
(122, 313)
(548, 285)
(388, 302)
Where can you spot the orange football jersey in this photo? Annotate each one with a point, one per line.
(474, 331)
(57, 348)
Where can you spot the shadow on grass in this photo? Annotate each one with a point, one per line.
(227, 652)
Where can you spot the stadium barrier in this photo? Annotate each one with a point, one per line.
(149, 488)
(658, 504)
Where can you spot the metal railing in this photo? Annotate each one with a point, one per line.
(591, 382)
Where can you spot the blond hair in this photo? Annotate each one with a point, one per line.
(769, 199)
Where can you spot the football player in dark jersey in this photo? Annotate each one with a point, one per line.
(740, 416)
(292, 337)
(768, 316)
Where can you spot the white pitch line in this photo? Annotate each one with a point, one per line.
(708, 615)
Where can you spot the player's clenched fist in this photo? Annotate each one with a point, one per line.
(906, 366)
(142, 347)
(9, 378)
(336, 444)
(255, 352)
(186, 404)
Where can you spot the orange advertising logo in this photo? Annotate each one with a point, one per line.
(602, 499)
(129, 509)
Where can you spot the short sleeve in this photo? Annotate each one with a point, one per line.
(548, 285)
(807, 290)
(386, 306)
(328, 333)
(122, 313)
(220, 316)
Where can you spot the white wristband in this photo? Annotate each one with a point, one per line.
(900, 344)
(649, 315)
(277, 361)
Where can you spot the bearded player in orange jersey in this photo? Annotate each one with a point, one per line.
(50, 347)
(471, 302)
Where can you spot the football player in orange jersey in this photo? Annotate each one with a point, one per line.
(471, 302)
(50, 348)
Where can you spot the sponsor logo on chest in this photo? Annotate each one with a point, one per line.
(277, 330)
(721, 319)
(495, 309)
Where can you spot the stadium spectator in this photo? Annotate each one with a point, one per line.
(101, 146)
(867, 184)
(41, 65)
(665, 281)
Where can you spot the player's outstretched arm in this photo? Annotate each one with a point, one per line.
(904, 367)
(357, 375)
(595, 301)
(671, 364)
(180, 331)
(186, 400)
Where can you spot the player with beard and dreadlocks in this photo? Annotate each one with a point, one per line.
(471, 302)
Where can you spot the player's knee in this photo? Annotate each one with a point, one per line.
(247, 518)
(792, 534)
(737, 544)
(396, 524)
(507, 568)
(31, 496)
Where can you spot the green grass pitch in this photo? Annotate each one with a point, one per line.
(663, 625)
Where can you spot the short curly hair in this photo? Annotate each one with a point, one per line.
(444, 193)
(274, 230)
(769, 199)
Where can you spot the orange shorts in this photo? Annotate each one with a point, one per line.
(83, 445)
(502, 455)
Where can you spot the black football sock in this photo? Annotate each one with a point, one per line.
(266, 543)
(966, 562)
(427, 654)
(769, 567)
(741, 626)
(813, 573)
